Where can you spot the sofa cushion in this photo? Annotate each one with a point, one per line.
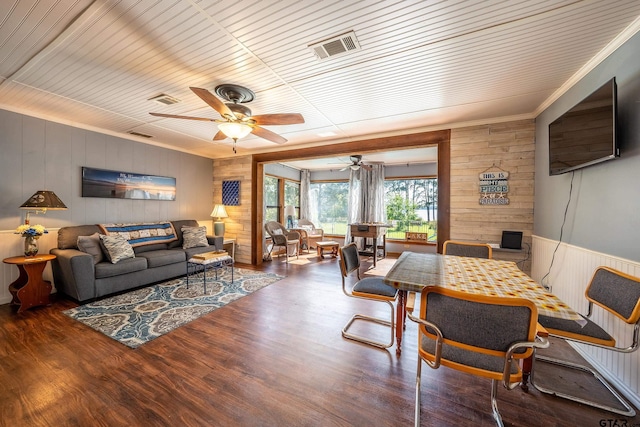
(91, 245)
(193, 237)
(163, 257)
(68, 236)
(147, 248)
(142, 233)
(129, 265)
(116, 248)
(177, 225)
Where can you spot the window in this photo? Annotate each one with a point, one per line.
(271, 196)
(328, 204)
(292, 195)
(412, 206)
(279, 193)
(411, 203)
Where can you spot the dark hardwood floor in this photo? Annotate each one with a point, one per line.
(273, 358)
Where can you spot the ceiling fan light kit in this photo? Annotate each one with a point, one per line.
(237, 120)
(235, 130)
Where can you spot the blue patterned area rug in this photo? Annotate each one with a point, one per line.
(139, 316)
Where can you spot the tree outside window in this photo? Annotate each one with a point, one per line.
(271, 193)
(412, 207)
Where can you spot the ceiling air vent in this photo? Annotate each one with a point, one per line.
(143, 135)
(165, 99)
(335, 46)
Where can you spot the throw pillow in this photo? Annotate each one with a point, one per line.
(116, 248)
(193, 237)
(91, 245)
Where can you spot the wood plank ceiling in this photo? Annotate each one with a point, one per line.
(422, 64)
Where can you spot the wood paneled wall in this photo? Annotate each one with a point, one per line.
(238, 225)
(504, 146)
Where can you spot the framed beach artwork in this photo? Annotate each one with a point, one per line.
(126, 185)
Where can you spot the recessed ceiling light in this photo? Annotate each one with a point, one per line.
(326, 134)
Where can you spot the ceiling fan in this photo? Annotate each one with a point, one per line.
(356, 163)
(237, 120)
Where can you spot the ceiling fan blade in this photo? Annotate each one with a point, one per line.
(219, 136)
(213, 102)
(174, 116)
(367, 167)
(267, 134)
(278, 119)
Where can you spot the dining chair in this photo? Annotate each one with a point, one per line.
(370, 288)
(477, 334)
(280, 236)
(476, 250)
(619, 294)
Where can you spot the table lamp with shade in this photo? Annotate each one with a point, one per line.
(219, 212)
(289, 212)
(41, 202)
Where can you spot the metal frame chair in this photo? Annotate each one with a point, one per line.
(476, 250)
(617, 293)
(370, 288)
(486, 341)
(283, 238)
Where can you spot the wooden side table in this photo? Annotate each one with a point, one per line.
(327, 245)
(29, 289)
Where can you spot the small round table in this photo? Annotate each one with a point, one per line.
(29, 289)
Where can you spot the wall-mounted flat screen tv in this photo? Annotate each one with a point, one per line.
(586, 134)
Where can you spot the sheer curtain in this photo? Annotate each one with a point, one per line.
(372, 184)
(305, 190)
(354, 202)
(366, 197)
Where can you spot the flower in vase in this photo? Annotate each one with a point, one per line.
(35, 230)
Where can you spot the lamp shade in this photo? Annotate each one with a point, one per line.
(235, 130)
(44, 200)
(219, 212)
(289, 211)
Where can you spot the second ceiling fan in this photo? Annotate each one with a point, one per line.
(356, 163)
(237, 120)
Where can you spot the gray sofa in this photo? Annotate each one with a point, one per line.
(77, 275)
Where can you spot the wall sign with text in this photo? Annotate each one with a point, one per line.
(494, 187)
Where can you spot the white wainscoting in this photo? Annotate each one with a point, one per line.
(568, 278)
(12, 244)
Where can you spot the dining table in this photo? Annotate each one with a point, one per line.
(412, 272)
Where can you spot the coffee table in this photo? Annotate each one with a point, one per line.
(194, 265)
(325, 246)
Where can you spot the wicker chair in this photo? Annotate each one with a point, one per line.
(313, 234)
(280, 236)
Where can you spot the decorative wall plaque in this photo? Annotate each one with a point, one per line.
(494, 187)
